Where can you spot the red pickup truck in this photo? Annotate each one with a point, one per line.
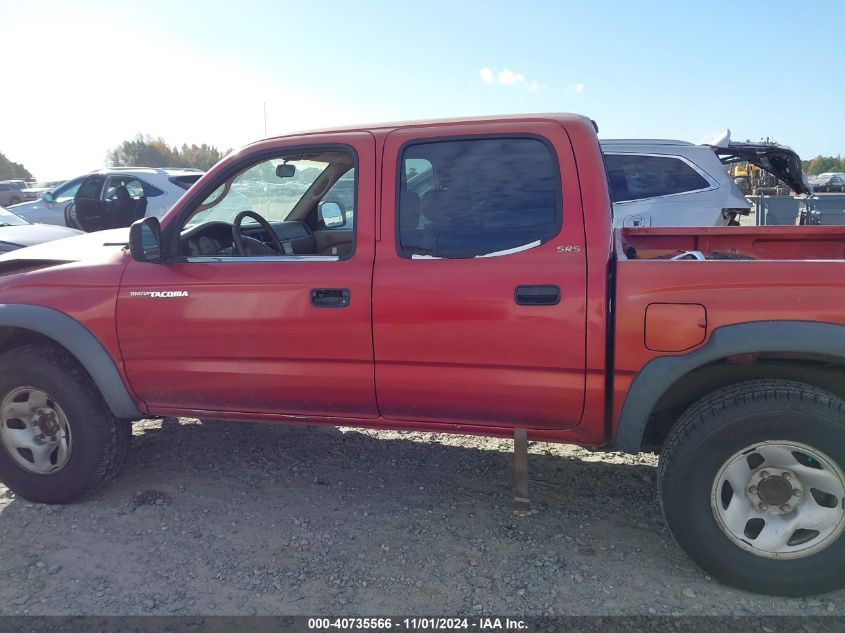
(457, 276)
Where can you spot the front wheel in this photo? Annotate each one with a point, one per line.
(58, 438)
(752, 483)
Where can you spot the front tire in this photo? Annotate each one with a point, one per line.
(58, 438)
(752, 483)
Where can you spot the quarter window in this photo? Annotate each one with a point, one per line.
(468, 198)
(636, 176)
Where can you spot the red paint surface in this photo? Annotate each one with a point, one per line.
(434, 344)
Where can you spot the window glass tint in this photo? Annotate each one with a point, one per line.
(343, 193)
(67, 191)
(634, 176)
(90, 188)
(184, 182)
(475, 197)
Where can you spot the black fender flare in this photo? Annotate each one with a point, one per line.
(82, 344)
(659, 374)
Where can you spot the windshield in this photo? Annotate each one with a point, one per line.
(7, 218)
(271, 188)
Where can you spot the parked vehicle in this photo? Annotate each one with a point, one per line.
(481, 290)
(10, 193)
(49, 208)
(675, 183)
(110, 198)
(828, 182)
(15, 232)
(35, 190)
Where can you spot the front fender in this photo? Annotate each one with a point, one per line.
(82, 344)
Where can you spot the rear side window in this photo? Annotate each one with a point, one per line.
(184, 182)
(467, 198)
(635, 176)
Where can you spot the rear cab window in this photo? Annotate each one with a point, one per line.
(477, 197)
(640, 176)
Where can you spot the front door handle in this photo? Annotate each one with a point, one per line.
(543, 295)
(329, 297)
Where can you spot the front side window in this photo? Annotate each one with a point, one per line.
(480, 197)
(278, 206)
(342, 192)
(67, 191)
(638, 176)
(90, 188)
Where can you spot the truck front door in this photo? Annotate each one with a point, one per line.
(275, 324)
(480, 277)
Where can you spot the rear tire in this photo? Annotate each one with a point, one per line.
(46, 396)
(14, 201)
(760, 539)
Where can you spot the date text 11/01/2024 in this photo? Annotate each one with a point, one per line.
(417, 624)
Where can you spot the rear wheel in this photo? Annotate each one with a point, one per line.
(752, 482)
(14, 201)
(58, 439)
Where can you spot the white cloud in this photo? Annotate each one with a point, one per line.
(575, 88)
(508, 77)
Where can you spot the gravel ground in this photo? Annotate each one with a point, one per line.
(233, 518)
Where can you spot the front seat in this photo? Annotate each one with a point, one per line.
(121, 208)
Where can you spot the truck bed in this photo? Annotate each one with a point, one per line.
(763, 242)
(747, 271)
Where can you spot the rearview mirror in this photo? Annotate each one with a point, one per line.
(47, 197)
(145, 240)
(286, 170)
(331, 214)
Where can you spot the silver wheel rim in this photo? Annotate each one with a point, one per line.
(780, 500)
(34, 430)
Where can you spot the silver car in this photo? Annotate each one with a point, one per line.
(657, 182)
(11, 192)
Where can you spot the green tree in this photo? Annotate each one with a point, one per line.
(142, 151)
(146, 151)
(821, 164)
(199, 156)
(13, 171)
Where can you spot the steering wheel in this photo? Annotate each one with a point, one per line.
(250, 247)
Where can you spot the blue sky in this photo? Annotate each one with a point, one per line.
(100, 72)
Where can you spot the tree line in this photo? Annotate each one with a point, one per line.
(12, 171)
(822, 164)
(146, 151)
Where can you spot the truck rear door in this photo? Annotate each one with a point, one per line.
(479, 281)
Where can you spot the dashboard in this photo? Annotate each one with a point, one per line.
(214, 239)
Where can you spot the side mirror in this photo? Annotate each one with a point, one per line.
(47, 197)
(145, 240)
(331, 214)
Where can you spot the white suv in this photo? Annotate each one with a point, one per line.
(110, 198)
(675, 183)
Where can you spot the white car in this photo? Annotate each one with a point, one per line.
(110, 198)
(674, 183)
(15, 232)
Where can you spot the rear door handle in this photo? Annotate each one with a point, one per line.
(543, 295)
(329, 297)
